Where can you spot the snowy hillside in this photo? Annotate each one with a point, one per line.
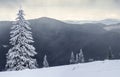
(93, 69)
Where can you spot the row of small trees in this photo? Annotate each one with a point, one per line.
(78, 58)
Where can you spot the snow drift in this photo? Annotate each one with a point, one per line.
(107, 68)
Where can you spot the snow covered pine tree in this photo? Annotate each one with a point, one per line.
(45, 62)
(72, 58)
(19, 57)
(81, 57)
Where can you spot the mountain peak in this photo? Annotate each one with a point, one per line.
(49, 20)
(45, 18)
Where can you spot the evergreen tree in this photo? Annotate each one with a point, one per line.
(77, 58)
(72, 58)
(20, 56)
(110, 54)
(81, 57)
(45, 62)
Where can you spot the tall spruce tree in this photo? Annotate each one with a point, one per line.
(45, 62)
(20, 56)
(81, 57)
(72, 58)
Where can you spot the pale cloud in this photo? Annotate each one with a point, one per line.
(10, 3)
(62, 9)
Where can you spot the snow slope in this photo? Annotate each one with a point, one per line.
(107, 68)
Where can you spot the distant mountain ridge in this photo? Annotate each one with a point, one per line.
(105, 21)
(58, 39)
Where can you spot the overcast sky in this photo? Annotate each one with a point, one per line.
(61, 9)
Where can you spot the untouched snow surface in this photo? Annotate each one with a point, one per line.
(107, 68)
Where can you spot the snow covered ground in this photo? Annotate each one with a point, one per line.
(107, 68)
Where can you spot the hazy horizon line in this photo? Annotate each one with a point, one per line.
(64, 19)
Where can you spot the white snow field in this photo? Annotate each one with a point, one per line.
(107, 68)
